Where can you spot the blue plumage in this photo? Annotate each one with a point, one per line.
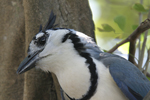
(128, 77)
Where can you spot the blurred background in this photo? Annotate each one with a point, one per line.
(115, 20)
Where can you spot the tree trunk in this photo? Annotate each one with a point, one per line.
(12, 38)
(20, 21)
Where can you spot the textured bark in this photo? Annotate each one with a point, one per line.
(20, 21)
(38, 85)
(11, 49)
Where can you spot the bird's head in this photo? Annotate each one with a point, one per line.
(51, 43)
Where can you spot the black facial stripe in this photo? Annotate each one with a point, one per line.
(34, 38)
(65, 37)
(41, 40)
(91, 65)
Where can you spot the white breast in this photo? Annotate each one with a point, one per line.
(74, 76)
(69, 67)
(107, 88)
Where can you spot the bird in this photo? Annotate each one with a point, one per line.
(83, 70)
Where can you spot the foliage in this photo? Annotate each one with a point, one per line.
(139, 7)
(119, 19)
(120, 16)
(106, 28)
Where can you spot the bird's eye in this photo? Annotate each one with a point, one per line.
(41, 41)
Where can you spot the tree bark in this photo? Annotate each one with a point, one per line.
(12, 46)
(20, 21)
(38, 85)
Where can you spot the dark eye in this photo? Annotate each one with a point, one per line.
(41, 41)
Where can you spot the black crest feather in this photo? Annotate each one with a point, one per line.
(40, 29)
(50, 23)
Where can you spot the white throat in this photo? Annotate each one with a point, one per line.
(72, 73)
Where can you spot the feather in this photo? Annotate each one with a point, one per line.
(51, 21)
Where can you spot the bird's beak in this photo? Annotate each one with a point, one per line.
(28, 62)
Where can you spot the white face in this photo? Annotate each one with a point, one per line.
(42, 46)
(53, 46)
(44, 39)
(38, 42)
(49, 43)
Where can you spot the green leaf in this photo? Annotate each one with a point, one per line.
(134, 27)
(106, 28)
(105, 50)
(148, 78)
(120, 21)
(139, 7)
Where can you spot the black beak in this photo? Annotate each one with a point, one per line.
(28, 63)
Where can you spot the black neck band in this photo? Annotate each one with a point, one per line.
(91, 65)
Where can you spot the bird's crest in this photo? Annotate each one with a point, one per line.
(50, 23)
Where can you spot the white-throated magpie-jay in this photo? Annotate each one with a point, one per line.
(83, 70)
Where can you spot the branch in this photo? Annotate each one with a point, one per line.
(139, 39)
(141, 57)
(147, 62)
(117, 45)
(132, 47)
(132, 38)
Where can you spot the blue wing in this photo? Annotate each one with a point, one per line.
(128, 77)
